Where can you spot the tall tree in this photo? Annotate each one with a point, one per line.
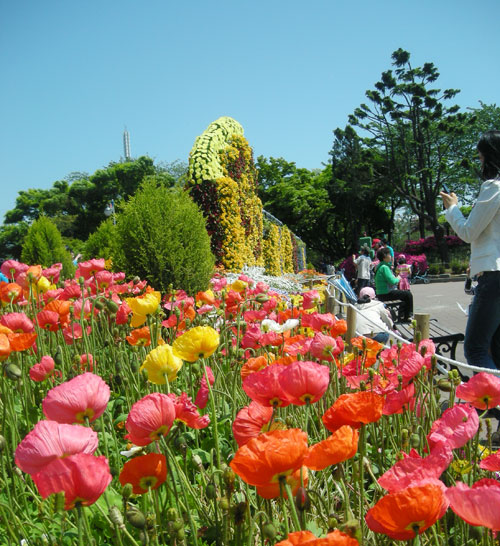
(409, 123)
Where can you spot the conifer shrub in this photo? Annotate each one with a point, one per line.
(100, 244)
(44, 245)
(161, 236)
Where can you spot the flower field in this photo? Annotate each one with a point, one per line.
(238, 416)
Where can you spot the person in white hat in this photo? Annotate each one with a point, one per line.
(374, 319)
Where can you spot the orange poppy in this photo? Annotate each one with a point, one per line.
(354, 409)
(140, 337)
(306, 538)
(340, 446)
(253, 365)
(404, 514)
(5, 349)
(62, 307)
(10, 292)
(339, 328)
(273, 490)
(284, 360)
(270, 456)
(144, 472)
(369, 347)
(21, 342)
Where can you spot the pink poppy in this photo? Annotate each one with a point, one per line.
(252, 337)
(482, 391)
(12, 268)
(265, 388)
(72, 291)
(52, 273)
(310, 299)
(150, 418)
(251, 421)
(318, 321)
(48, 320)
(17, 322)
(254, 316)
(89, 268)
(86, 363)
(103, 279)
(83, 307)
(456, 427)
(395, 400)
(123, 313)
(43, 369)
(414, 468)
(477, 505)
(304, 382)
(73, 332)
(491, 462)
(82, 477)
(203, 392)
(409, 365)
(187, 412)
(50, 440)
(83, 397)
(324, 347)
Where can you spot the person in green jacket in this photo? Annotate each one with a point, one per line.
(386, 284)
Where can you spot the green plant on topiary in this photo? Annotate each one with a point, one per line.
(161, 236)
(43, 245)
(100, 244)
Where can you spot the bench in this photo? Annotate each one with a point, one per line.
(396, 308)
(445, 341)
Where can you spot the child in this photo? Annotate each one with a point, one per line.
(363, 263)
(403, 270)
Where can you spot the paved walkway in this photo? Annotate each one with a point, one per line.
(440, 301)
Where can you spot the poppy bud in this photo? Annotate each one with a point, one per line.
(177, 312)
(239, 512)
(58, 357)
(197, 461)
(136, 518)
(211, 491)
(362, 386)
(415, 440)
(13, 371)
(353, 529)
(59, 501)
(289, 421)
(418, 338)
(261, 298)
(444, 385)
(127, 490)
(196, 368)
(3, 443)
(228, 476)
(404, 435)
(332, 522)
(172, 514)
(98, 304)
(116, 516)
(177, 524)
(112, 306)
(180, 443)
(136, 279)
(180, 534)
(269, 531)
(423, 350)
(81, 281)
(224, 504)
(302, 501)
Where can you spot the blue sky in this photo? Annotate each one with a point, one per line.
(74, 74)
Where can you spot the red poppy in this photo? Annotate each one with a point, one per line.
(318, 322)
(477, 505)
(264, 387)
(482, 390)
(407, 513)
(395, 400)
(82, 477)
(144, 473)
(340, 446)
(354, 409)
(251, 421)
(48, 320)
(270, 456)
(201, 399)
(491, 462)
(304, 382)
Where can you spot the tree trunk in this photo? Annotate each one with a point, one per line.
(441, 243)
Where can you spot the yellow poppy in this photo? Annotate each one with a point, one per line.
(162, 365)
(199, 342)
(143, 306)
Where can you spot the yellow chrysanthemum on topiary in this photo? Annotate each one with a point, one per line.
(162, 365)
(199, 342)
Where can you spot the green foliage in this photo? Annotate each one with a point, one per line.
(458, 266)
(161, 236)
(100, 244)
(43, 245)
(11, 240)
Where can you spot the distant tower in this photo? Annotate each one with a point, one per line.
(126, 145)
